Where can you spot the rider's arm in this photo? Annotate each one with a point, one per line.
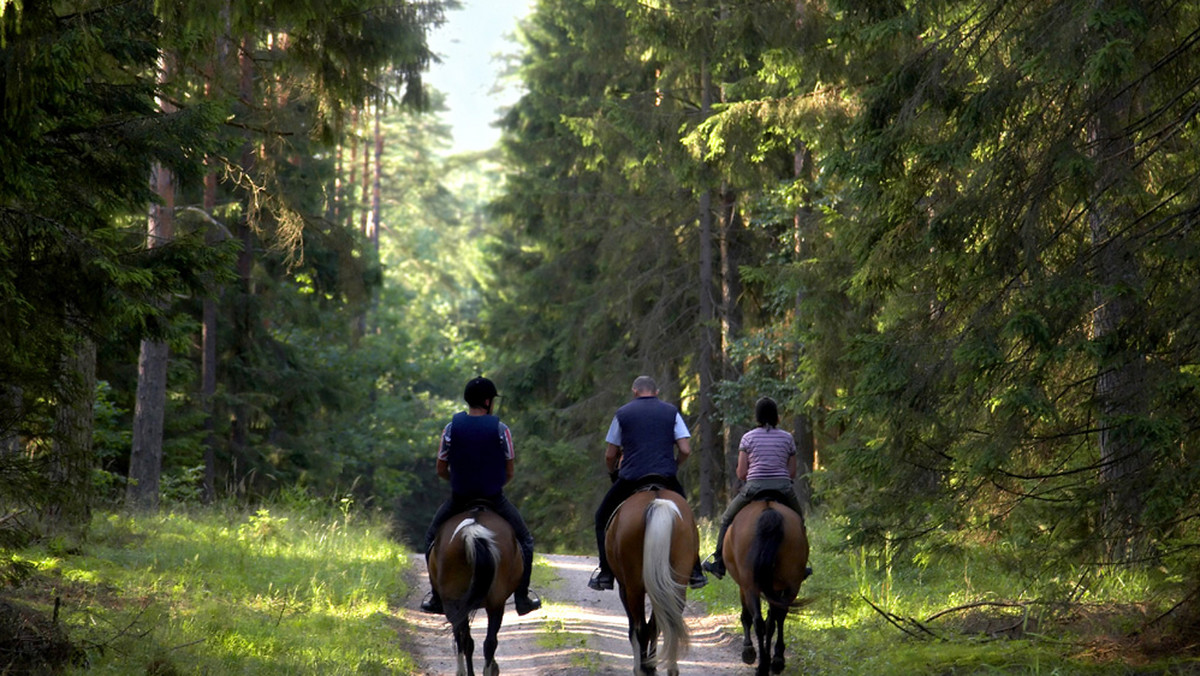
(443, 454)
(685, 449)
(509, 453)
(743, 468)
(792, 465)
(612, 456)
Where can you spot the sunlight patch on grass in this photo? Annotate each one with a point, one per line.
(221, 590)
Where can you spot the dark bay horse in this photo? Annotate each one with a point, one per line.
(475, 563)
(766, 553)
(652, 545)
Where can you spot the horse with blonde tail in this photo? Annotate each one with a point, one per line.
(652, 545)
(475, 563)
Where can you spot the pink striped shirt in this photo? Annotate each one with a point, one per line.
(769, 449)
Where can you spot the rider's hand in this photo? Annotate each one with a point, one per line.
(612, 476)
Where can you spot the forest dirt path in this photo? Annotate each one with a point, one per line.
(578, 631)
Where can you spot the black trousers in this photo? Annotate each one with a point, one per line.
(618, 493)
(501, 506)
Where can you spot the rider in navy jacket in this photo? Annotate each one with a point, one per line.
(476, 457)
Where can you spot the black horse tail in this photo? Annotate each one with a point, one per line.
(768, 538)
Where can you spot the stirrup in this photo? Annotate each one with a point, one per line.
(433, 604)
(716, 567)
(601, 580)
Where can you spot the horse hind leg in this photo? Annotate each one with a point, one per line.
(650, 646)
(749, 654)
(490, 668)
(762, 631)
(775, 621)
(644, 648)
(466, 647)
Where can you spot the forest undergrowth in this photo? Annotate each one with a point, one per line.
(971, 612)
(301, 587)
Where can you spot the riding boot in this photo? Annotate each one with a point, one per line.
(697, 580)
(525, 600)
(603, 577)
(717, 567)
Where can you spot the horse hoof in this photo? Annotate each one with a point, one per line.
(492, 669)
(777, 665)
(749, 655)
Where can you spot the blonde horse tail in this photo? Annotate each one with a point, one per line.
(483, 557)
(666, 595)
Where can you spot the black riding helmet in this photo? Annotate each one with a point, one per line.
(479, 391)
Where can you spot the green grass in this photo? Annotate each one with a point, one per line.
(224, 591)
(302, 590)
(838, 632)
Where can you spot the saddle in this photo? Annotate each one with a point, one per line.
(477, 505)
(650, 482)
(769, 495)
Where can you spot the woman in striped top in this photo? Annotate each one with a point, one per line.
(767, 463)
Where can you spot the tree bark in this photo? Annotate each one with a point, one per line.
(731, 327)
(377, 181)
(145, 459)
(802, 426)
(1121, 377)
(208, 311)
(208, 358)
(243, 324)
(71, 460)
(146, 455)
(708, 329)
(365, 213)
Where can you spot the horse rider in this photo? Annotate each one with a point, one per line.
(642, 440)
(767, 463)
(476, 457)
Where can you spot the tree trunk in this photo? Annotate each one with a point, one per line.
(208, 357)
(243, 312)
(1121, 378)
(71, 460)
(708, 338)
(208, 309)
(145, 459)
(365, 213)
(731, 327)
(352, 180)
(377, 181)
(802, 426)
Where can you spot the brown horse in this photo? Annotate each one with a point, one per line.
(652, 545)
(766, 552)
(475, 563)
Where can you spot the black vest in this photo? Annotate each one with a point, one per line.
(647, 438)
(478, 462)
